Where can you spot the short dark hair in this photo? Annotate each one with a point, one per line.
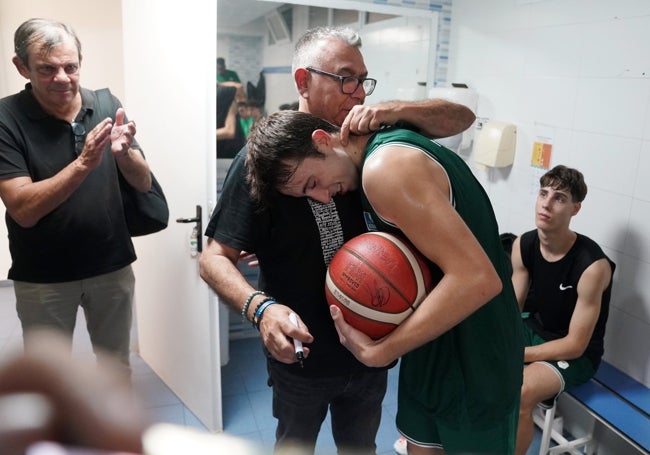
(565, 178)
(276, 146)
(46, 32)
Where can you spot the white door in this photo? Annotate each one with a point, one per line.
(170, 52)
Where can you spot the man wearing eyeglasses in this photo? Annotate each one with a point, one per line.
(295, 239)
(61, 150)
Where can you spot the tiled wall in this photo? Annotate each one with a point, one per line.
(244, 57)
(576, 75)
(444, 25)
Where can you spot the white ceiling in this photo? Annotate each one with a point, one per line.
(235, 13)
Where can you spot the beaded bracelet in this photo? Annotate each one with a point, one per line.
(244, 311)
(259, 311)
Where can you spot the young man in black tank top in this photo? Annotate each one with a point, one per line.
(563, 280)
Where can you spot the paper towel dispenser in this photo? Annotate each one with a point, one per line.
(461, 94)
(496, 143)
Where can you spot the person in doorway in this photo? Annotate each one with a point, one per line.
(461, 350)
(563, 282)
(224, 74)
(294, 241)
(250, 112)
(59, 158)
(230, 134)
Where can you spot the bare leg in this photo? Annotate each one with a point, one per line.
(540, 383)
(412, 449)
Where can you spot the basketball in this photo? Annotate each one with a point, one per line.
(377, 280)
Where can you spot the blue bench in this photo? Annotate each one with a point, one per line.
(628, 388)
(611, 397)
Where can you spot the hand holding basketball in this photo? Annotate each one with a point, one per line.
(357, 342)
(377, 280)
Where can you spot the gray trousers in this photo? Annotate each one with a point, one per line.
(107, 302)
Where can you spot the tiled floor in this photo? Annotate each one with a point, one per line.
(247, 402)
(246, 397)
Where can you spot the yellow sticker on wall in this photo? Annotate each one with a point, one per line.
(541, 156)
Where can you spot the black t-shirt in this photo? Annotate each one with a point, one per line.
(86, 235)
(292, 254)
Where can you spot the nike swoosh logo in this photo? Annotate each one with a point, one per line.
(564, 288)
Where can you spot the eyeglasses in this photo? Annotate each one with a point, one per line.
(79, 136)
(349, 84)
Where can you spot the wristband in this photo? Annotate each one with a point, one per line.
(259, 311)
(247, 303)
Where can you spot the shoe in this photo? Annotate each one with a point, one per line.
(400, 446)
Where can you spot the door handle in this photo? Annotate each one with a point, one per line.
(199, 226)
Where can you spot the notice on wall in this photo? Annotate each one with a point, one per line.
(542, 152)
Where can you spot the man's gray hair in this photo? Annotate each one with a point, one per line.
(48, 33)
(303, 55)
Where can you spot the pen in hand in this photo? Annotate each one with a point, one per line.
(297, 344)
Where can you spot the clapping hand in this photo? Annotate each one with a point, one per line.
(121, 134)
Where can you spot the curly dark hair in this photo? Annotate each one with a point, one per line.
(565, 178)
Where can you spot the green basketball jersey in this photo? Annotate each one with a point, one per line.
(472, 374)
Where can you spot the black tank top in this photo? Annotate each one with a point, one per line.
(553, 291)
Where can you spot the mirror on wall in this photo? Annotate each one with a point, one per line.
(256, 40)
(398, 43)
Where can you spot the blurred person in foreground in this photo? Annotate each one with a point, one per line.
(47, 395)
(55, 404)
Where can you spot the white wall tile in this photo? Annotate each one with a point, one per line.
(616, 48)
(604, 217)
(550, 101)
(637, 241)
(597, 155)
(642, 181)
(631, 291)
(494, 54)
(552, 51)
(555, 12)
(626, 344)
(612, 106)
(498, 97)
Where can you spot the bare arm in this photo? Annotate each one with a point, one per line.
(240, 93)
(415, 196)
(28, 201)
(520, 275)
(227, 131)
(591, 286)
(434, 117)
(218, 269)
(132, 164)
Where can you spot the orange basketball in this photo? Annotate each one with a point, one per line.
(377, 280)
